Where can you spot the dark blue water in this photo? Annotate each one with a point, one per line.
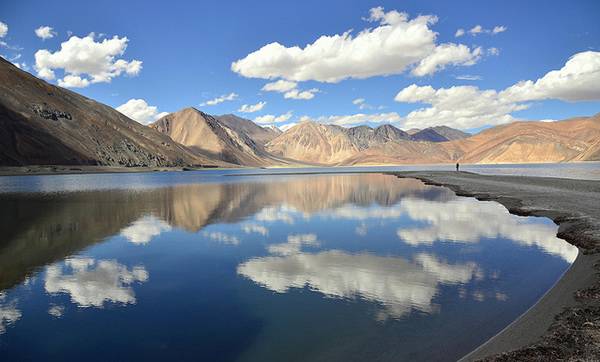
(202, 266)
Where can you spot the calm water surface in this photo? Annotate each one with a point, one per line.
(196, 265)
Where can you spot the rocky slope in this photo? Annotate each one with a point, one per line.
(44, 124)
(205, 135)
(260, 135)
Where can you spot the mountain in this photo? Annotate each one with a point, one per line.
(42, 124)
(260, 135)
(205, 135)
(574, 139)
(313, 142)
(438, 134)
(330, 144)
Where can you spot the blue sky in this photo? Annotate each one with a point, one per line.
(415, 64)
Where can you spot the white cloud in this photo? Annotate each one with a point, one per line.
(296, 94)
(459, 32)
(249, 109)
(358, 101)
(280, 86)
(3, 29)
(498, 29)
(143, 230)
(220, 99)
(468, 77)
(45, 32)
(468, 107)
(83, 58)
(290, 90)
(72, 81)
(447, 54)
(92, 283)
(139, 110)
(391, 48)
(269, 118)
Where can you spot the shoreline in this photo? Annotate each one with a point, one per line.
(565, 322)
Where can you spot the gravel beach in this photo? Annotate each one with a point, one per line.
(565, 323)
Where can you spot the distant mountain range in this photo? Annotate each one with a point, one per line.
(42, 124)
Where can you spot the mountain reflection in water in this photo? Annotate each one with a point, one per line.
(342, 265)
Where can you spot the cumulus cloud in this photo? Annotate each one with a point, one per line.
(289, 89)
(3, 29)
(3, 32)
(269, 118)
(394, 46)
(468, 107)
(220, 99)
(83, 58)
(45, 32)
(280, 86)
(358, 101)
(254, 108)
(296, 94)
(139, 110)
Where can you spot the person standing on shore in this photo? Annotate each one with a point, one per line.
(457, 166)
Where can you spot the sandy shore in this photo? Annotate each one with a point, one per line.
(565, 323)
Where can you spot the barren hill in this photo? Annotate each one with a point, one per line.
(567, 140)
(260, 135)
(331, 144)
(42, 124)
(205, 135)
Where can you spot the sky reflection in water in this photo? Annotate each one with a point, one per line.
(300, 267)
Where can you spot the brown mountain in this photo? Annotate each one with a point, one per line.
(313, 142)
(573, 139)
(576, 139)
(439, 134)
(260, 135)
(331, 144)
(44, 124)
(205, 135)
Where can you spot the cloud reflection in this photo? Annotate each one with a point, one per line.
(469, 220)
(9, 313)
(142, 230)
(398, 284)
(92, 283)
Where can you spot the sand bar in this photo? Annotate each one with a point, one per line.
(565, 323)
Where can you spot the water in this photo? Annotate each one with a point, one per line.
(196, 265)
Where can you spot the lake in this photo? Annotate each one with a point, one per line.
(218, 265)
